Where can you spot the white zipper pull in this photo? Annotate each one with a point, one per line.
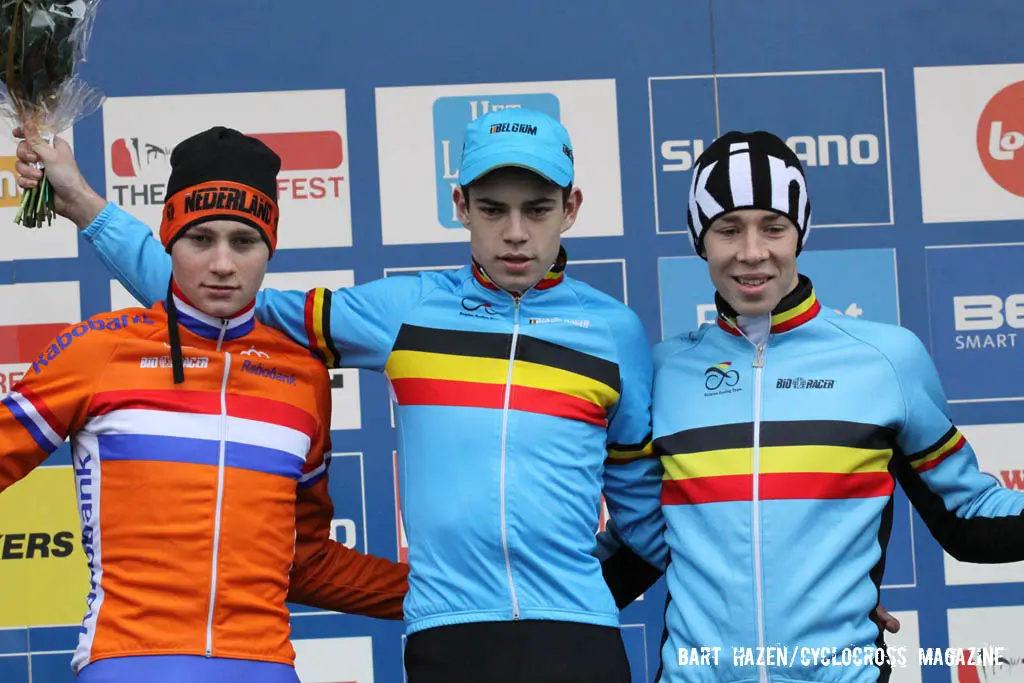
(223, 329)
(759, 358)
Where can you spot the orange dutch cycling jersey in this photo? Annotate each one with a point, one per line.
(198, 501)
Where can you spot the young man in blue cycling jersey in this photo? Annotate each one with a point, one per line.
(778, 500)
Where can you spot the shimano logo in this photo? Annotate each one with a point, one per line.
(267, 373)
(862, 149)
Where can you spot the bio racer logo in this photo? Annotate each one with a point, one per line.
(1001, 136)
(451, 116)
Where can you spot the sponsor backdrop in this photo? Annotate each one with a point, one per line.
(909, 118)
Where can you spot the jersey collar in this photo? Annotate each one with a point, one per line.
(795, 309)
(208, 326)
(554, 276)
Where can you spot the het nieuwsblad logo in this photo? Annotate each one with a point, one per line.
(312, 156)
(1000, 137)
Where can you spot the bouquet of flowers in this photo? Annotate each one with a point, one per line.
(41, 42)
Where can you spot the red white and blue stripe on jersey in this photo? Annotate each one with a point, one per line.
(33, 414)
(259, 434)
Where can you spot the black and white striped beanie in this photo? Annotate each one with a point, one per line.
(747, 171)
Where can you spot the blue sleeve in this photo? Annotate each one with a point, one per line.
(969, 514)
(936, 450)
(129, 250)
(354, 327)
(632, 473)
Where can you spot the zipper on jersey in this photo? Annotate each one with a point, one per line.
(758, 568)
(504, 444)
(516, 299)
(223, 330)
(220, 493)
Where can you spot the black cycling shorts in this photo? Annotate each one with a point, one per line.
(517, 652)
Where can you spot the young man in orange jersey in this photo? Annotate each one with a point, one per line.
(183, 445)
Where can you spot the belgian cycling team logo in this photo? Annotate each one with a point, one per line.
(479, 309)
(721, 379)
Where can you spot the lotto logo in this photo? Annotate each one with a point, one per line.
(971, 146)
(1000, 136)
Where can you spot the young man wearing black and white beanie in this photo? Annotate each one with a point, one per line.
(783, 429)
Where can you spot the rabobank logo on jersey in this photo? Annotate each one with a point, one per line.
(860, 283)
(977, 320)
(451, 115)
(835, 121)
